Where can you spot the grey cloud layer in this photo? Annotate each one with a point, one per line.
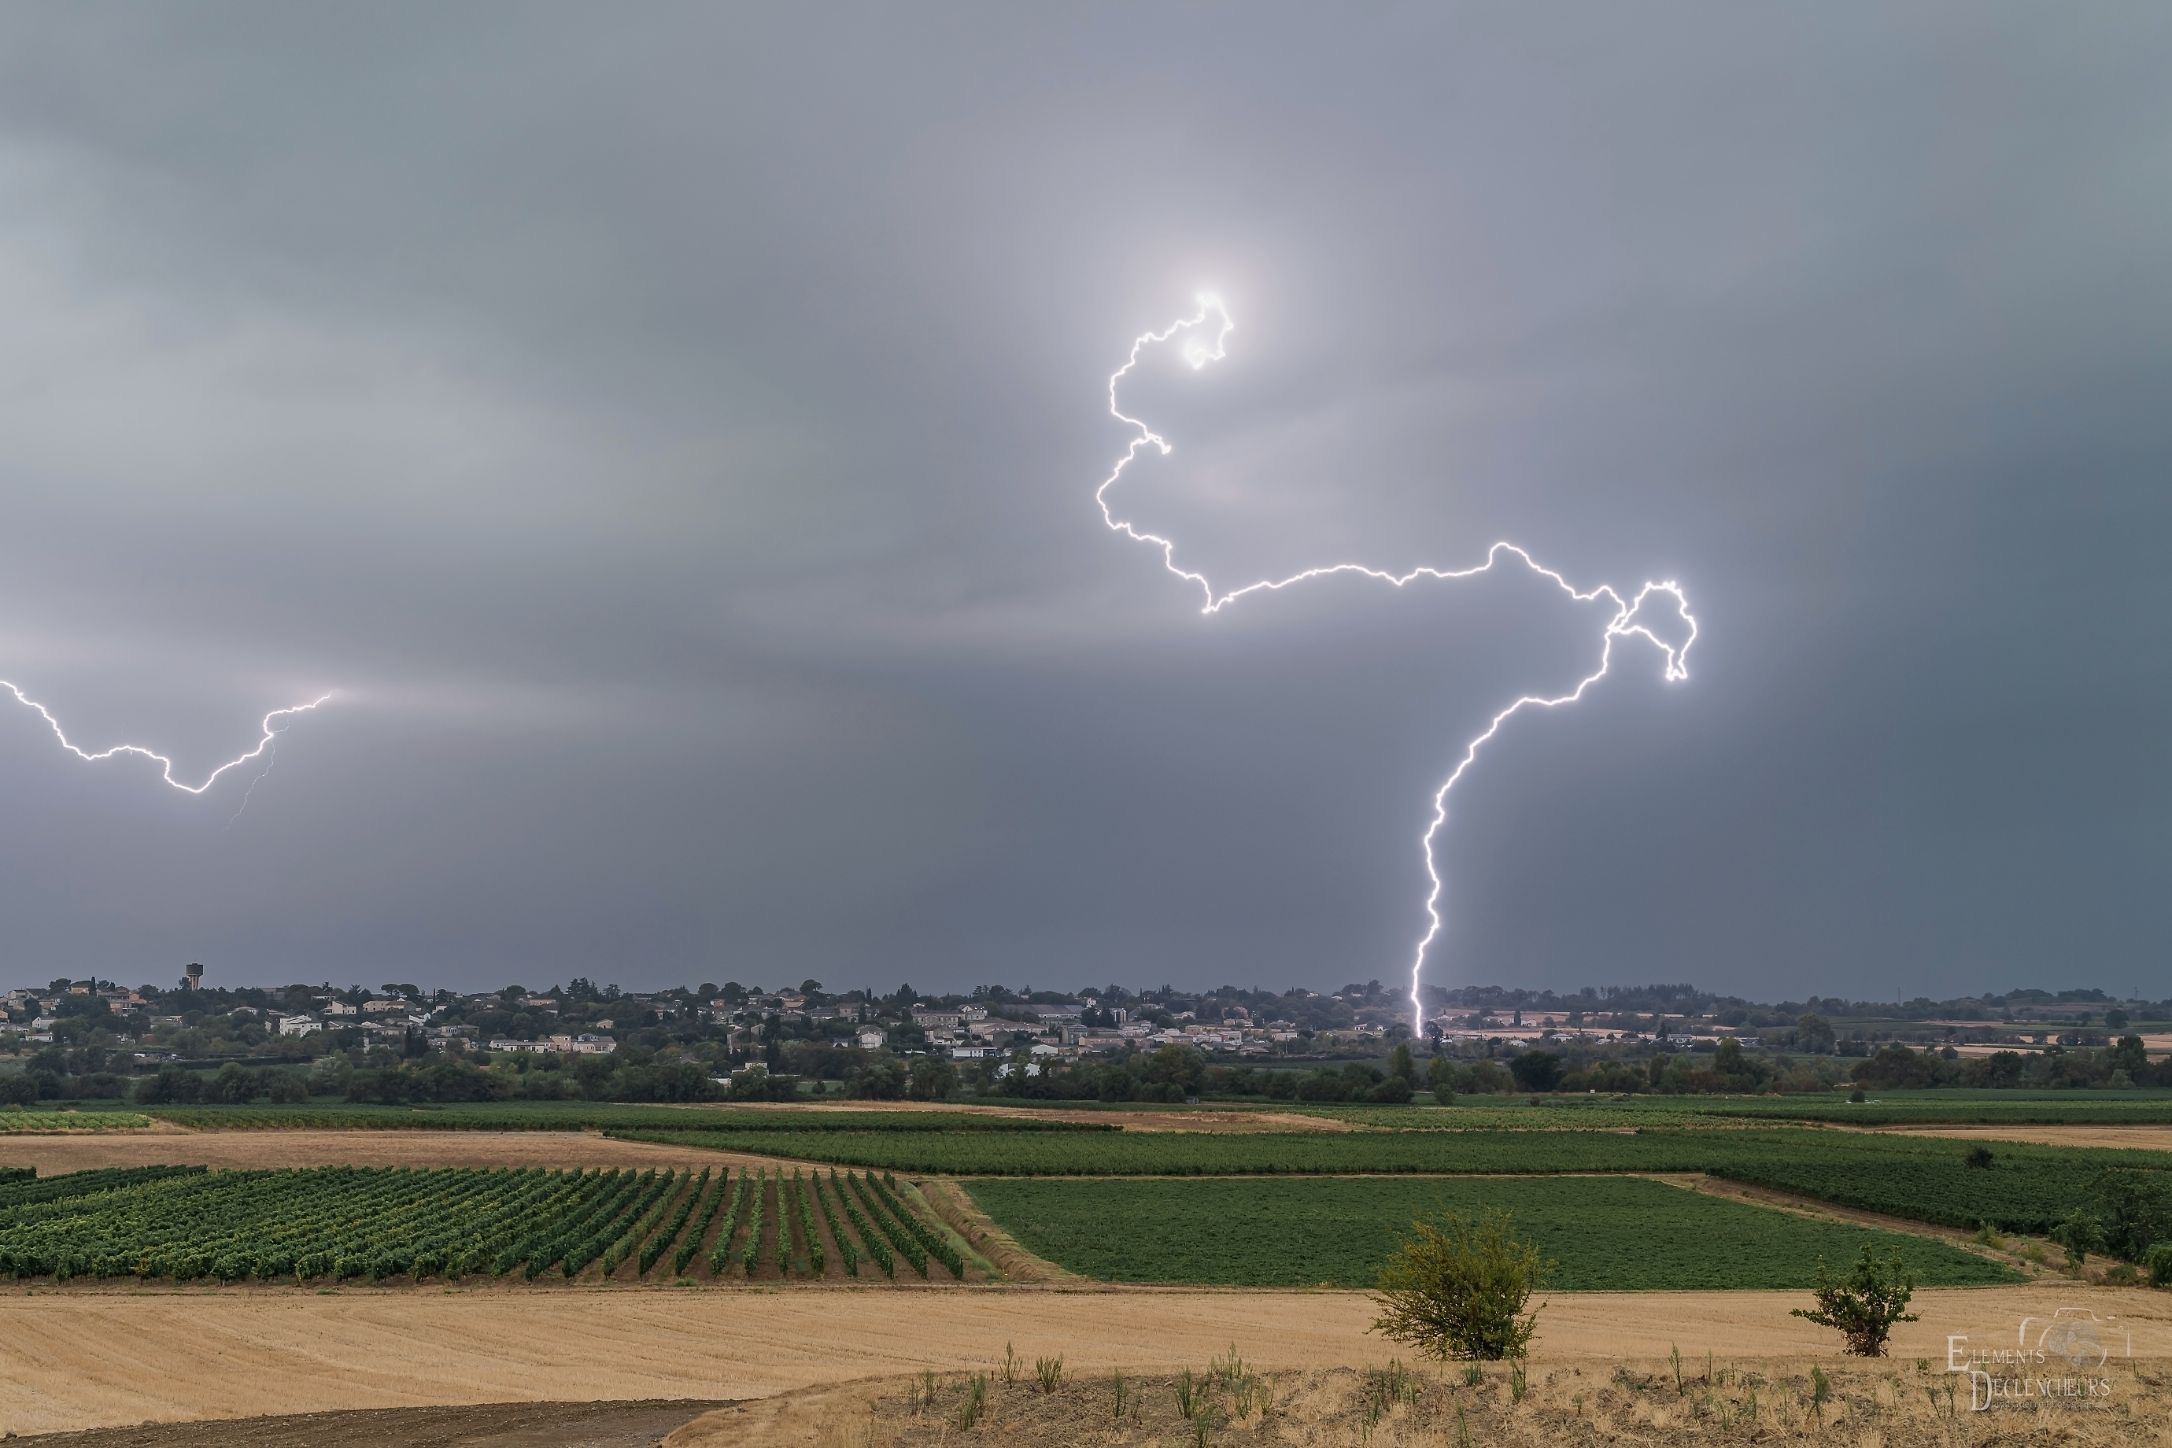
(678, 432)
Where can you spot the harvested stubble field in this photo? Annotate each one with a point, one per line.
(93, 1359)
(1231, 1401)
(2114, 1138)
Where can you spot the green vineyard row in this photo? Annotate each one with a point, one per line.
(341, 1223)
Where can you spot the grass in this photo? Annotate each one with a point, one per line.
(1612, 1234)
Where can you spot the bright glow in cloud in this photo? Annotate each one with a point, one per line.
(1212, 317)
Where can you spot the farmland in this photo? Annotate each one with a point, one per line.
(581, 1116)
(35, 1123)
(2028, 1189)
(339, 1224)
(1605, 1234)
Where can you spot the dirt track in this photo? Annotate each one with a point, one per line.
(80, 1360)
(51, 1154)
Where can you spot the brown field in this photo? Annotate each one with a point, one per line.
(1914, 1404)
(53, 1154)
(2145, 1138)
(82, 1360)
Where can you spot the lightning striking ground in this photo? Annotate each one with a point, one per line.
(268, 725)
(1198, 352)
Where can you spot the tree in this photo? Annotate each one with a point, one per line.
(1536, 1070)
(1457, 1289)
(2134, 1209)
(1813, 1033)
(932, 1079)
(1440, 1074)
(1400, 1066)
(1863, 1308)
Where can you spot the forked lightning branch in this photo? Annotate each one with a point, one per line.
(1192, 336)
(268, 728)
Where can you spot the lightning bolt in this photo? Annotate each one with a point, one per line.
(268, 725)
(1213, 318)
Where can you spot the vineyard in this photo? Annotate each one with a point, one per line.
(1604, 1233)
(2029, 1189)
(40, 1123)
(333, 1224)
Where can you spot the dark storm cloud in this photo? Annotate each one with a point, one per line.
(676, 432)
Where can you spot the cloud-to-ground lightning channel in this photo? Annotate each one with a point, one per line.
(269, 727)
(1213, 318)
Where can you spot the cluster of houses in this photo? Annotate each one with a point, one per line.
(43, 1009)
(972, 1033)
(969, 1031)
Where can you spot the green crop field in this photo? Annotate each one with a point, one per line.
(2027, 1188)
(338, 1223)
(1620, 1234)
(35, 1123)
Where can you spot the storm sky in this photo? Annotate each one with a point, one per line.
(674, 431)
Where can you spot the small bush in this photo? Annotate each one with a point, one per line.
(1457, 1289)
(2158, 1259)
(1980, 1157)
(1864, 1308)
(2080, 1233)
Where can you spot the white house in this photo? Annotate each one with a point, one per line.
(299, 1025)
(871, 1038)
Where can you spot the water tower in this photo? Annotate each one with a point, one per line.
(192, 976)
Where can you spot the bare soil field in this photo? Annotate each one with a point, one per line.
(2142, 1138)
(78, 1360)
(54, 1154)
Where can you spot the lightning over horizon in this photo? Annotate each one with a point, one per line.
(1197, 352)
(270, 733)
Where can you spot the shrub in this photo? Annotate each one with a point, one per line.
(1456, 1289)
(2134, 1208)
(2158, 1259)
(1864, 1308)
(1980, 1157)
(2079, 1233)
